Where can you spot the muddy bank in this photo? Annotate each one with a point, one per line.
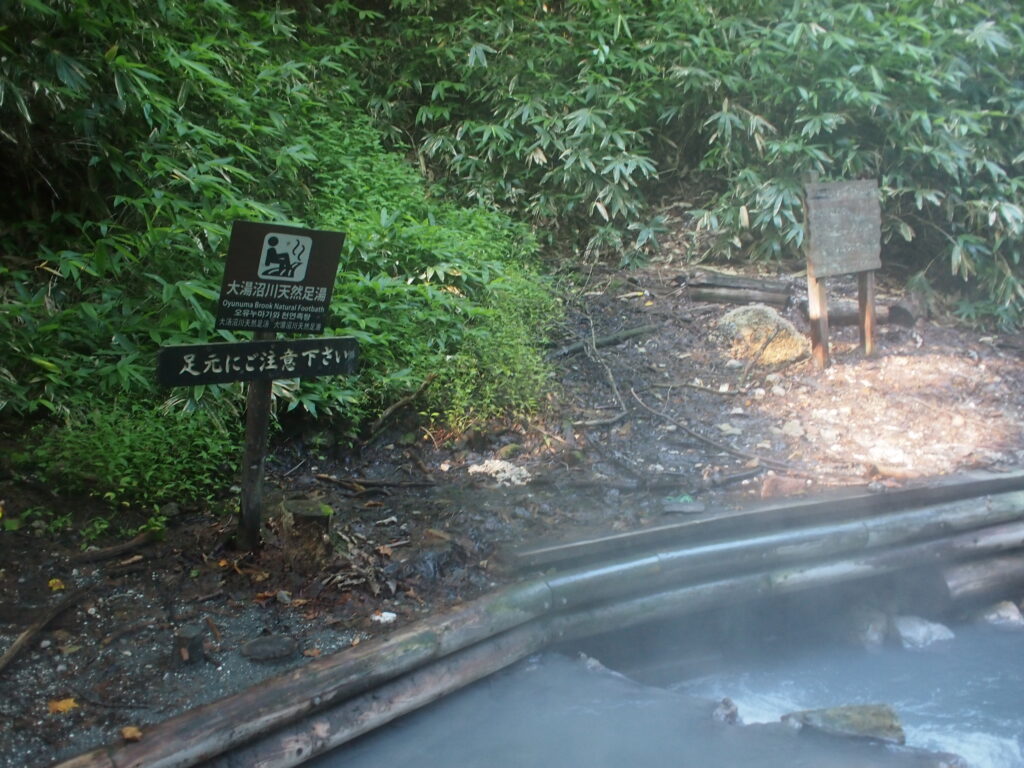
(657, 426)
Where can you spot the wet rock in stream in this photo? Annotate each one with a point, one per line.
(867, 721)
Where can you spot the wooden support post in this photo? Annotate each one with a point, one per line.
(844, 222)
(866, 304)
(817, 311)
(257, 421)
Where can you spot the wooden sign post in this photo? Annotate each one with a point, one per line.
(276, 279)
(844, 223)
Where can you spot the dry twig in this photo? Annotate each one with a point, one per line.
(39, 624)
(780, 465)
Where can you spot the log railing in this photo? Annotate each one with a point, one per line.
(971, 532)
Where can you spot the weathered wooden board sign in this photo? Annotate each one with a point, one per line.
(844, 222)
(844, 236)
(278, 278)
(190, 364)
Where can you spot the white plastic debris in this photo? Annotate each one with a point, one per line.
(384, 617)
(502, 471)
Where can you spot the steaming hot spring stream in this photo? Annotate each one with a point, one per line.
(565, 709)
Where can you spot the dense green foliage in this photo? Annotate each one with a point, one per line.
(447, 137)
(583, 114)
(109, 450)
(136, 133)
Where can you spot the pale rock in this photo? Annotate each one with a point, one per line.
(747, 329)
(915, 632)
(793, 428)
(870, 627)
(727, 712)
(505, 473)
(1002, 614)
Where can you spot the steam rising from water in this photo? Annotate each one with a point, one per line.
(963, 697)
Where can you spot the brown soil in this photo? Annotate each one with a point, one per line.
(662, 424)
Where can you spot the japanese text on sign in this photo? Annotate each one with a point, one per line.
(247, 361)
(278, 278)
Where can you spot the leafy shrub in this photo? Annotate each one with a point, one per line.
(580, 115)
(139, 453)
(927, 97)
(197, 114)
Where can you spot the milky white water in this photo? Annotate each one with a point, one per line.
(965, 696)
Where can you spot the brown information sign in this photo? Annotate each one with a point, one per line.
(278, 278)
(844, 222)
(186, 365)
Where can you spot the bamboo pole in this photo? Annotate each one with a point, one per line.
(761, 518)
(327, 730)
(295, 744)
(207, 731)
(761, 584)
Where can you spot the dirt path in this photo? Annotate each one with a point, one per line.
(658, 425)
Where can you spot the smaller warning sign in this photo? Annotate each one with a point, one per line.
(844, 223)
(191, 364)
(278, 278)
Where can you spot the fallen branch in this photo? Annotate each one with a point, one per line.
(390, 410)
(737, 296)
(755, 358)
(780, 465)
(700, 388)
(604, 341)
(904, 312)
(108, 553)
(34, 629)
(359, 484)
(591, 349)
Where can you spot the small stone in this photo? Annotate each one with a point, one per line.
(283, 597)
(793, 428)
(188, 644)
(170, 509)
(384, 617)
(45, 644)
(727, 712)
(870, 628)
(778, 390)
(683, 507)
(759, 333)
(269, 647)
